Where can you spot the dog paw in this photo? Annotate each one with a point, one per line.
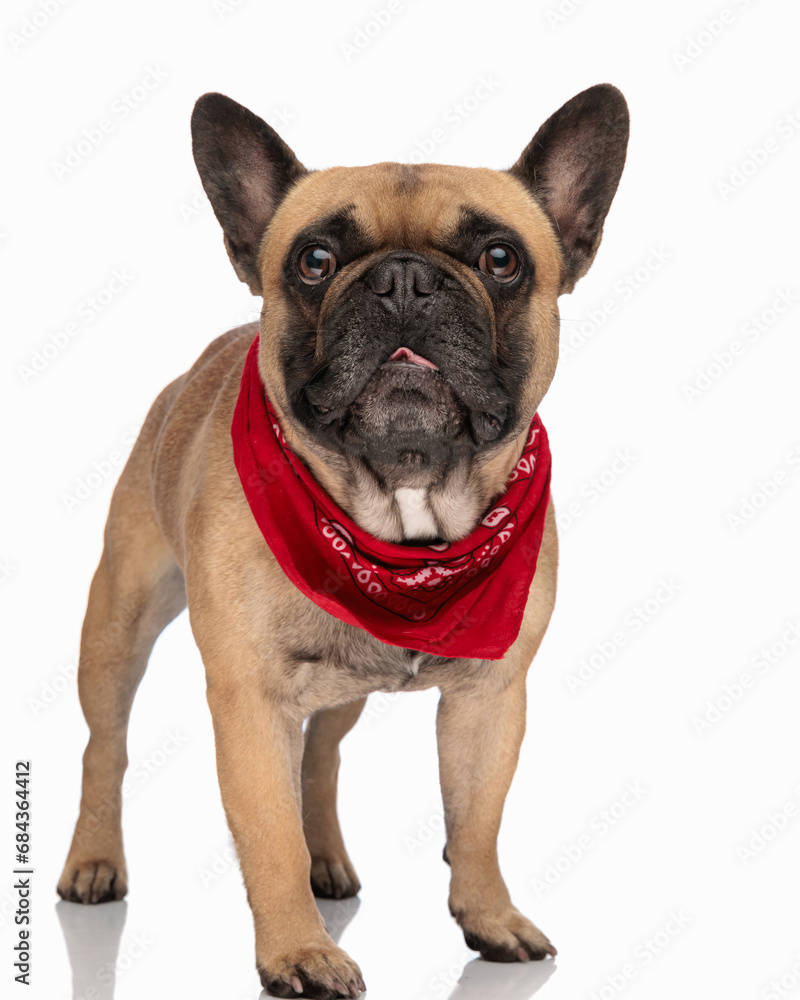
(93, 882)
(333, 878)
(322, 973)
(507, 936)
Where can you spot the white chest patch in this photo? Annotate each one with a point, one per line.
(414, 665)
(418, 521)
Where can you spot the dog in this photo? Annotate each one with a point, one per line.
(311, 488)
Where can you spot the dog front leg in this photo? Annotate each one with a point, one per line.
(479, 730)
(259, 747)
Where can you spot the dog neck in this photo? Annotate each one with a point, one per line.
(445, 504)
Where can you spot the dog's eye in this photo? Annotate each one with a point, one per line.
(315, 264)
(499, 262)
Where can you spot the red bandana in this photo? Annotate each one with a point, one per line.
(462, 599)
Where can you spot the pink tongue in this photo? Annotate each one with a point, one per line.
(405, 354)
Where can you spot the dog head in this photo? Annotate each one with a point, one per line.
(410, 321)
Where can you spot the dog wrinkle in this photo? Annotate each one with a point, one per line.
(375, 508)
(457, 502)
(303, 656)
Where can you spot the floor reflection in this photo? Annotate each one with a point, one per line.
(337, 914)
(92, 935)
(502, 981)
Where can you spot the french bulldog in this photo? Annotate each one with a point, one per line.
(409, 331)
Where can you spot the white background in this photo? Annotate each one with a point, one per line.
(134, 204)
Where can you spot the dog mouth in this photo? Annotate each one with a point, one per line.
(407, 404)
(407, 396)
(406, 357)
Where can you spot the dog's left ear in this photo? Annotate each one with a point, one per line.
(573, 165)
(246, 169)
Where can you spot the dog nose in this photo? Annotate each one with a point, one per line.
(403, 277)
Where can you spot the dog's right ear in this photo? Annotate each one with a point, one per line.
(246, 169)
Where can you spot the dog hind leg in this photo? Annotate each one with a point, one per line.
(332, 872)
(137, 590)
